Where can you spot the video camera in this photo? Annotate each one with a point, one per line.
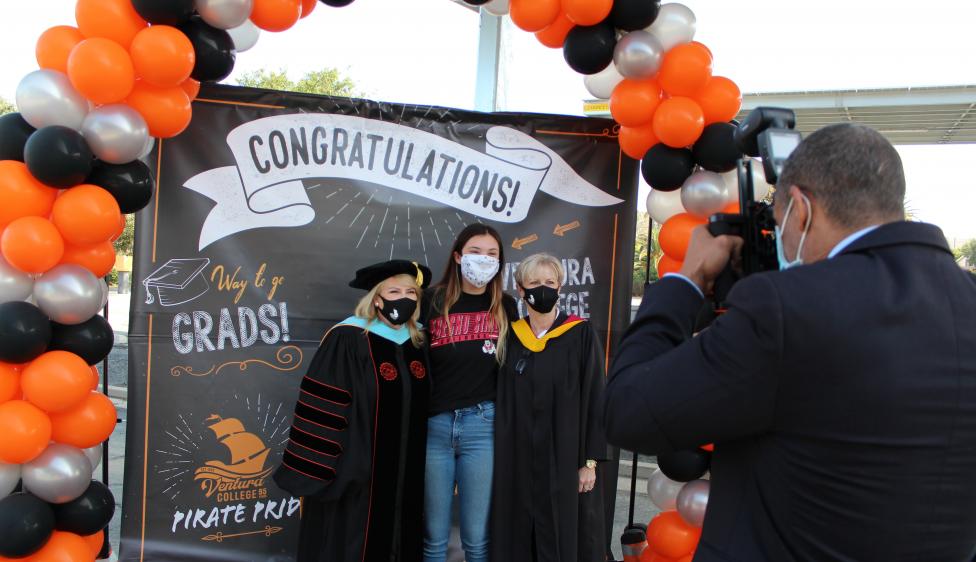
(767, 133)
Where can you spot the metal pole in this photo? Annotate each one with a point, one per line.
(489, 45)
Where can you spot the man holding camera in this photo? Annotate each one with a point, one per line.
(840, 393)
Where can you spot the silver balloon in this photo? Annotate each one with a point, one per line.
(601, 84)
(497, 7)
(9, 476)
(693, 501)
(674, 25)
(94, 455)
(638, 55)
(663, 491)
(46, 97)
(60, 474)
(662, 205)
(244, 36)
(115, 133)
(147, 148)
(103, 287)
(68, 294)
(704, 194)
(224, 14)
(15, 285)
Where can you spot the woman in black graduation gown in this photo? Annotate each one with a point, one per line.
(549, 434)
(358, 438)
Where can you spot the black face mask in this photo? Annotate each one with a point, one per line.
(398, 311)
(541, 298)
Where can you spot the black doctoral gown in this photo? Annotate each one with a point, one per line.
(357, 448)
(547, 425)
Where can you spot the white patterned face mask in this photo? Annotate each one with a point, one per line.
(479, 269)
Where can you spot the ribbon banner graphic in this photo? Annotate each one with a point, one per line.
(275, 154)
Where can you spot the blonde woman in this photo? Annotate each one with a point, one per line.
(358, 438)
(546, 505)
(467, 320)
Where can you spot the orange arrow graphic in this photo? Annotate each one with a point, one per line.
(519, 242)
(562, 230)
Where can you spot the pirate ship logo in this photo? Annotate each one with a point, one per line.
(241, 478)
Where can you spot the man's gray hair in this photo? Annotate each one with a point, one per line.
(853, 171)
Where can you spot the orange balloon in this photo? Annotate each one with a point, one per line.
(85, 215)
(26, 431)
(686, 69)
(112, 19)
(688, 558)
(56, 381)
(32, 244)
(668, 535)
(554, 35)
(191, 87)
(650, 556)
(308, 6)
(533, 15)
(98, 258)
(634, 102)
(678, 122)
(95, 378)
(276, 15)
(667, 264)
(731, 208)
(120, 229)
(720, 100)
(710, 447)
(676, 233)
(167, 111)
(54, 46)
(87, 424)
(587, 12)
(64, 547)
(162, 56)
(101, 70)
(94, 542)
(636, 141)
(22, 194)
(9, 381)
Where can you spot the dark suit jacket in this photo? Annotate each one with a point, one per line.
(841, 397)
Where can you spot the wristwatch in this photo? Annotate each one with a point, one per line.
(590, 463)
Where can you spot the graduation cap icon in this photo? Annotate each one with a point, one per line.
(178, 281)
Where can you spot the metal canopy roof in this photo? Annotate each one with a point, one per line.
(931, 115)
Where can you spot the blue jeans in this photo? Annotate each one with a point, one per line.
(460, 448)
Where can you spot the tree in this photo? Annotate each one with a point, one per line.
(123, 246)
(644, 250)
(328, 81)
(6, 107)
(968, 253)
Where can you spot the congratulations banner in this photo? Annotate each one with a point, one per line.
(264, 208)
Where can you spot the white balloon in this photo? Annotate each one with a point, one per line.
(224, 14)
(94, 454)
(244, 36)
(15, 285)
(662, 205)
(116, 133)
(675, 25)
(9, 476)
(601, 84)
(496, 7)
(46, 97)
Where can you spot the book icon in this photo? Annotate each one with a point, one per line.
(178, 281)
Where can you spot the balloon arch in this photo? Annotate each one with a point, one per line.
(127, 73)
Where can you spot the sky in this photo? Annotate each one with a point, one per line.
(425, 52)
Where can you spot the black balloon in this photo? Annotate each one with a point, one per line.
(214, 50)
(91, 340)
(337, 3)
(14, 132)
(631, 15)
(25, 332)
(87, 514)
(715, 149)
(58, 156)
(26, 523)
(589, 49)
(685, 466)
(131, 184)
(475, 2)
(164, 12)
(665, 168)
